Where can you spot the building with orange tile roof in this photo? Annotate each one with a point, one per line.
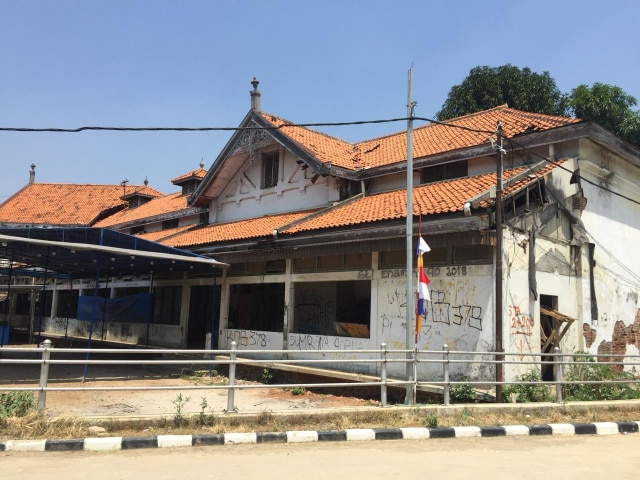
(314, 230)
(65, 204)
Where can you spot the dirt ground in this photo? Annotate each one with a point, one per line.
(170, 387)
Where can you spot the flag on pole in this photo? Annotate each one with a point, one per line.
(423, 284)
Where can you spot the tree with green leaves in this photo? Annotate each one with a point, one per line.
(487, 87)
(608, 106)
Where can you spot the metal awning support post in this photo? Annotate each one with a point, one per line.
(44, 294)
(7, 300)
(151, 313)
(93, 319)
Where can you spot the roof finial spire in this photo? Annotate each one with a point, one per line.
(255, 96)
(201, 162)
(32, 173)
(146, 181)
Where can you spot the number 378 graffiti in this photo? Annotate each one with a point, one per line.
(440, 311)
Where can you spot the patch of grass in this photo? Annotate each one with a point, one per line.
(35, 425)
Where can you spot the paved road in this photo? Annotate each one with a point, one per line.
(525, 458)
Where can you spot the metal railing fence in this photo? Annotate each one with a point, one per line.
(382, 357)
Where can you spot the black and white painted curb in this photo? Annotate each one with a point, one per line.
(303, 436)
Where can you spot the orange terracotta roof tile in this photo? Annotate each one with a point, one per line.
(252, 228)
(144, 191)
(324, 147)
(153, 208)
(432, 199)
(198, 173)
(462, 132)
(61, 204)
(163, 234)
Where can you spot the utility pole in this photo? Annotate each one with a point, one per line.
(410, 314)
(498, 289)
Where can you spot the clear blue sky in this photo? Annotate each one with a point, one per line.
(147, 63)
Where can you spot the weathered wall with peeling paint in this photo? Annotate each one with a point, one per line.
(612, 225)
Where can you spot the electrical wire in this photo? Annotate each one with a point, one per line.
(623, 266)
(232, 129)
(597, 185)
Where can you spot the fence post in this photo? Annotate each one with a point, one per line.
(557, 364)
(232, 378)
(383, 375)
(445, 366)
(415, 375)
(44, 373)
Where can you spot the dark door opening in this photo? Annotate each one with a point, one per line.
(200, 315)
(547, 328)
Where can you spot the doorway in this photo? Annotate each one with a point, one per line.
(201, 315)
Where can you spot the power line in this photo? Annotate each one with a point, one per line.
(597, 185)
(232, 129)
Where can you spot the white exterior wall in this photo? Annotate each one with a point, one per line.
(243, 197)
(613, 227)
(461, 316)
(521, 318)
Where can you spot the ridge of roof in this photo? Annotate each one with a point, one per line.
(197, 173)
(156, 207)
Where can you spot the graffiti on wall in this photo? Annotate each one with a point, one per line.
(247, 338)
(454, 315)
(521, 326)
(313, 313)
(299, 341)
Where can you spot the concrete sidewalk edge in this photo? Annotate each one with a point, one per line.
(305, 436)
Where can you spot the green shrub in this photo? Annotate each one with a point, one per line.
(297, 390)
(462, 393)
(267, 376)
(522, 393)
(16, 404)
(430, 421)
(586, 369)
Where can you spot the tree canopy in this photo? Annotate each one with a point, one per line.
(608, 106)
(487, 87)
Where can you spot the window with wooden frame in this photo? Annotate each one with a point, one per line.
(270, 165)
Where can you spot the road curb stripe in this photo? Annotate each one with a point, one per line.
(302, 436)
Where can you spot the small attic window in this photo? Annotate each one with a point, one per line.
(446, 171)
(137, 200)
(190, 186)
(270, 164)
